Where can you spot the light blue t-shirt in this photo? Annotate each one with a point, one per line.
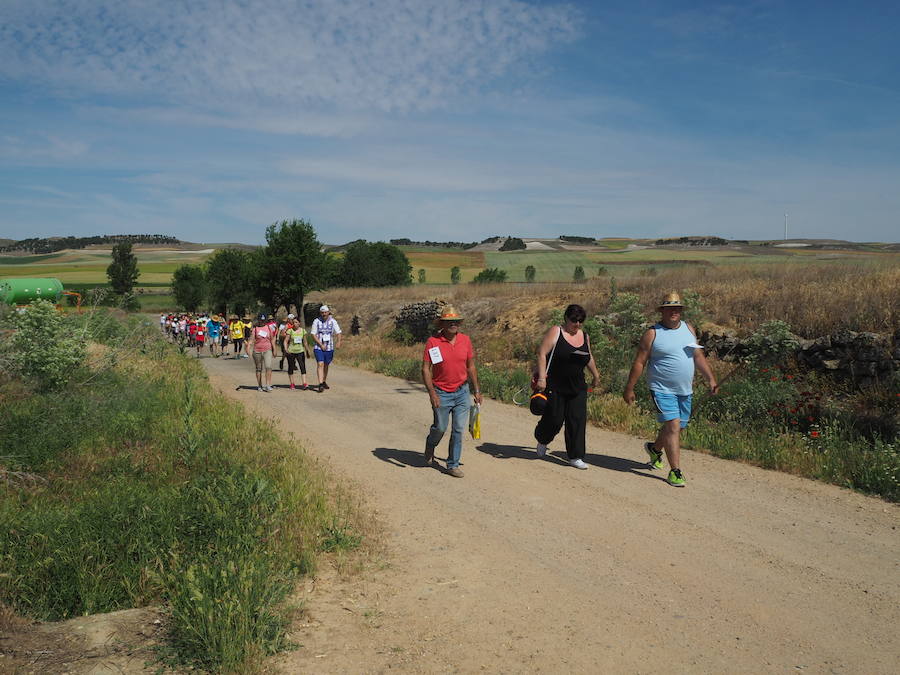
(671, 369)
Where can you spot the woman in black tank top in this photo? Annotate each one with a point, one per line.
(561, 367)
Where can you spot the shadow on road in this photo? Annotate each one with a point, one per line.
(403, 458)
(515, 452)
(621, 464)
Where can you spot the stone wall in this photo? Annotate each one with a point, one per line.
(866, 358)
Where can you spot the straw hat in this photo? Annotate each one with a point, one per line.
(449, 313)
(216, 318)
(671, 300)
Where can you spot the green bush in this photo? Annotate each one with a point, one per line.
(489, 276)
(44, 347)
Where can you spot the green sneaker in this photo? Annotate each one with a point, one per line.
(655, 456)
(676, 478)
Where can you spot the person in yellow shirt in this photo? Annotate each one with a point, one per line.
(236, 333)
(294, 346)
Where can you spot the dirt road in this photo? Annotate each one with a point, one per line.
(528, 565)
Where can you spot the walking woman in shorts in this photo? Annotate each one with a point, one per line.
(294, 347)
(263, 339)
(565, 385)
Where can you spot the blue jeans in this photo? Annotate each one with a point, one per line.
(457, 404)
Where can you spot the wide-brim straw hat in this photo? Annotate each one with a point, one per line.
(449, 313)
(216, 318)
(671, 300)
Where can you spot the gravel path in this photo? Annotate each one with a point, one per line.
(528, 565)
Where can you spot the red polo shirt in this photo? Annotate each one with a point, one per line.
(451, 373)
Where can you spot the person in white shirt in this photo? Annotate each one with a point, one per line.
(327, 335)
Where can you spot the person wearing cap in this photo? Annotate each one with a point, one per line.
(562, 357)
(671, 350)
(448, 365)
(326, 333)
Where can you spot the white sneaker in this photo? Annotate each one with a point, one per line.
(268, 388)
(260, 388)
(578, 463)
(541, 450)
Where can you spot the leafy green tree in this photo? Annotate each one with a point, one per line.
(530, 273)
(375, 264)
(189, 286)
(421, 275)
(231, 280)
(454, 274)
(578, 274)
(490, 275)
(123, 270)
(602, 271)
(291, 264)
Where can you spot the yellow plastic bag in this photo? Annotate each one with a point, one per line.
(475, 421)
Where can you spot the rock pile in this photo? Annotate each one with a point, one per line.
(864, 357)
(418, 318)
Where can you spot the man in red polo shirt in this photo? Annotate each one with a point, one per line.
(447, 367)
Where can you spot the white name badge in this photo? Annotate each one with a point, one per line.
(435, 355)
(264, 333)
(298, 339)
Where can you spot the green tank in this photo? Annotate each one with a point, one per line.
(23, 291)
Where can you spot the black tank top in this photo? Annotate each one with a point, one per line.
(566, 374)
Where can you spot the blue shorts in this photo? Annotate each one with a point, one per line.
(323, 357)
(672, 407)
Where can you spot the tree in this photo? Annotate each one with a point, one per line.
(530, 273)
(578, 275)
(513, 244)
(454, 274)
(123, 270)
(291, 264)
(375, 265)
(490, 275)
(421, 275)
(231, 280)
(189, 287)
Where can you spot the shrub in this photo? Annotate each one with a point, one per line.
(490, 275)
(44, 347)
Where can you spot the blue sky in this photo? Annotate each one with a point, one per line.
(450, 120)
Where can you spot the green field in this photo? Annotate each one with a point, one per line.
(86, 268)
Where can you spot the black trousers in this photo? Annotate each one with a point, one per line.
(300, 359)
(571, 411)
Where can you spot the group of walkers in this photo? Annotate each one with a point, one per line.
(668, 351)
(263, 339)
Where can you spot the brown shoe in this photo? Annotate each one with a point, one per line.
(456, 472)
(429, 455)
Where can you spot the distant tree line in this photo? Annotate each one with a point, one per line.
(53, 244)
(573, 239)
(291, 264)
(692, 241)
(436, 244)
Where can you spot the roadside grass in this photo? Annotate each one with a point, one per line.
(138, 484)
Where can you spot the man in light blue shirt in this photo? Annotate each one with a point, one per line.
(672, 351)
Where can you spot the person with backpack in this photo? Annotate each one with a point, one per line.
(561, 359)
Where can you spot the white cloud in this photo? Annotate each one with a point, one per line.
(390, 55)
